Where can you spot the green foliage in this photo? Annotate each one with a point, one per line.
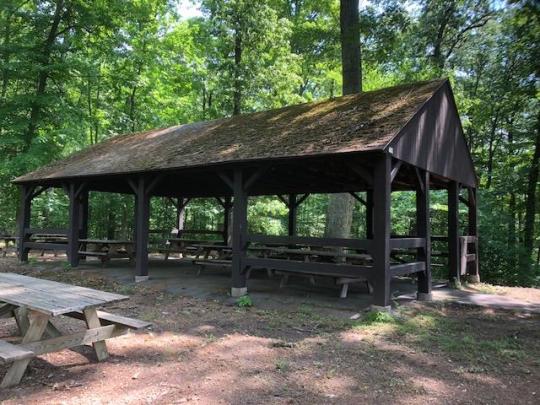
(376, 317)
(244, 301)
(73, 73)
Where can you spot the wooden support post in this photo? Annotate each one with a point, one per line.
(423, 230)
(292, 215)
(239, 284)
(381, 232)
(142, 221)
(473, 267)
(453, 234)
(25, 212)
(92, 322)
(369, 214)
(74, 224)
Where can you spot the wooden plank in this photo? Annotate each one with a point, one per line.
(84, 337)
(92, 322)
(107, 318)
(46, 231)
(45, 246)
(328, 269)
(10, 352)
(83, 253)
(407, 243)
(407, 268)
(364, 244)
(18, 295)
(38, 323)
(49, 285)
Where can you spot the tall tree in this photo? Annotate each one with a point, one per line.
(340, 206)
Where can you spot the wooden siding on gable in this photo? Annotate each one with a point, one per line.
(433, 140)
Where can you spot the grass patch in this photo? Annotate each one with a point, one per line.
(244, 301)
(433, 331)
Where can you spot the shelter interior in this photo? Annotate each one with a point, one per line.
(425, 150)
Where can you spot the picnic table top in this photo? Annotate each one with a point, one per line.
(51, 297)
(107, 241)
(310, 252)
(197, 241)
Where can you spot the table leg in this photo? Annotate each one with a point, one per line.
(38, 323)
(21, 318)
(92, 321)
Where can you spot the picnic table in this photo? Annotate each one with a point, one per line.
(185, 246)
(6, 239)
(307, 254)
(107, 249)
(34, 303)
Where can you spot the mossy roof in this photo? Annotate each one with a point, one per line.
(354, 123)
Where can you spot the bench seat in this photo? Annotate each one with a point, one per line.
(100, 254)
(10, 352)
(113, 319)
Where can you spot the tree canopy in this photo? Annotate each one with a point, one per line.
(75, 72)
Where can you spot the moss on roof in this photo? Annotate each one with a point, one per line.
(359, 122)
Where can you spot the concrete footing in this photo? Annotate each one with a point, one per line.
(379, 308)
(454, 283)
(473, 278)
(238, 291)
(424, 296)
(140, 279)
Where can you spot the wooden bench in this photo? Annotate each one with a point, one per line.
(337, 259)
(10, 352)
(107, 318)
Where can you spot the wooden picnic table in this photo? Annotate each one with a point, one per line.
(107, 249)
(6, 239)
(308, 254)
(183, 246)
(34, 303)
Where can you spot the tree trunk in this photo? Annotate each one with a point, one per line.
(530, 208)
(351, 62)
(237, 91)
(340, 206)
(43, 76)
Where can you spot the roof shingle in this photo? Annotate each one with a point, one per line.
(353, 123)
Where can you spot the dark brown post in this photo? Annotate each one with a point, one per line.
(293, 206)
(24, 220)
(142, 221)
(74, 223)
(453, 234)
(473, 270)
(423, 230)
(381, 231)
(369, 214)
(239, 285)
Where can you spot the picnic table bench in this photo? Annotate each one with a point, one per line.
(106, 249)
(47, 241)
(185, 246)
(306, 254)
(34, 303)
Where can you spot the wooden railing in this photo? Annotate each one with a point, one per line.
(362, 244)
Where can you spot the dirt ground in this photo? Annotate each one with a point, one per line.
(208, 352)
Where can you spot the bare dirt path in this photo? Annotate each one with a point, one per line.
(202, 351)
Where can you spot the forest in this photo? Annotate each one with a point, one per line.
(75, 72)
